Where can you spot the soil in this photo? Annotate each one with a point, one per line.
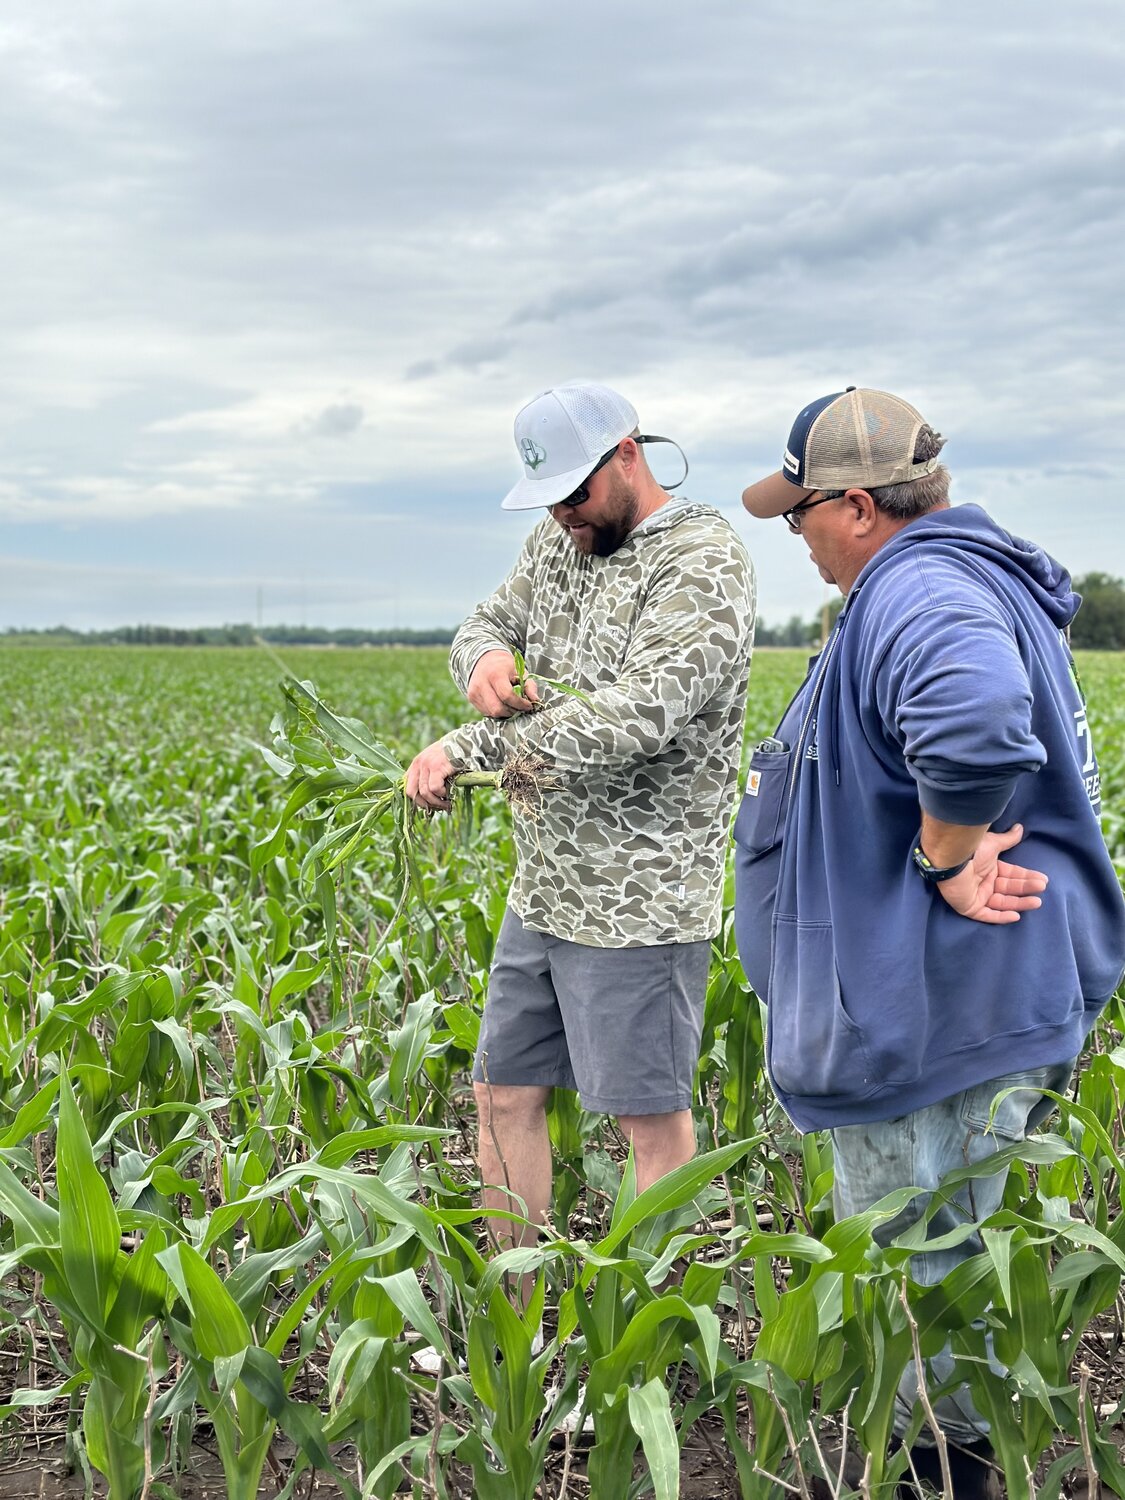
(36, 1470)
(705, 1474)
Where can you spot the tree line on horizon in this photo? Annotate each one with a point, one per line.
(1098, 626)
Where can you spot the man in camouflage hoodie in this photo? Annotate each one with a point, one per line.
(645, 604)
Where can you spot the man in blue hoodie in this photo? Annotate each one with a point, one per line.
(912, 972)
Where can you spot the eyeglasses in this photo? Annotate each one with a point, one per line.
(582, 493)
(792, 517)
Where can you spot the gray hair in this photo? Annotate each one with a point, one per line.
(914, 497)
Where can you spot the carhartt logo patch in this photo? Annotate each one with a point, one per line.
(533, 454)
(753, 782)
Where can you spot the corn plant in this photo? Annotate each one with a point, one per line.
(111, 1304)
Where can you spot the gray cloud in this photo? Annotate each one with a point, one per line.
(268, 270)
(339, 420)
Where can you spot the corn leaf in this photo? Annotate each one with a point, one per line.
(142, 1292)
(349, 734)
(674, 1190)
(789, 1340)
(36, 1222)
(651, 1418)
(32, 1117)
(303, 1423)
(89, 1232)
(217, 1322)
(406, 1294)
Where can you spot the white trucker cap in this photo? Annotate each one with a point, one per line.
(561, 435)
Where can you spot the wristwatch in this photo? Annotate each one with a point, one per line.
(929, 871)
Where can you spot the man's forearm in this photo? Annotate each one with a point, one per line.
(947, 844)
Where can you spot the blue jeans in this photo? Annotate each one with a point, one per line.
(918, 1150)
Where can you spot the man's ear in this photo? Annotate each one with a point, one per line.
(628, 453)
(864, 511)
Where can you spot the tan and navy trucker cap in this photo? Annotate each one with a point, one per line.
(857, 438)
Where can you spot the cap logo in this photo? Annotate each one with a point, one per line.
(533, 454)
(791, 463)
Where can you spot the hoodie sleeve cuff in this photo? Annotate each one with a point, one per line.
(968, 807)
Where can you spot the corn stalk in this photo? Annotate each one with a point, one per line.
(357, 782)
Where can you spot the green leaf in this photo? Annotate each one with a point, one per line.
(849, 1239)
(36, 1222)
(349, 734)
(296, 982)
(957, 1299)
(789, 1340)
(301, 795)
(406, 1294)
(142, 1291)
(42, 1395)
(228, 1367)
(217, 1321)
(675, 1189)
(638, 1341)
(482, 1360)
(248, 1281)
(342, 1148)
(1031, 1329)
(651, 1418)
(34, 1115)
(57, 1026)
(303, 1423)
(572, 692)
(89, 1231)
(368, 1189)
(998, 1244)
(408, 1045)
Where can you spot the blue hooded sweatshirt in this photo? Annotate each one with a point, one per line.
(947, 684)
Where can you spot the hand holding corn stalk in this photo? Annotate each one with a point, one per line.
(339, 763)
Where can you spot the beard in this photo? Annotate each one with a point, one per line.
(619, 516)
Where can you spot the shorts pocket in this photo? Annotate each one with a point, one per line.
(815, 1048)
(757, 826)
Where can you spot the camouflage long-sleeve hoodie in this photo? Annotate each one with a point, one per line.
(630, 851)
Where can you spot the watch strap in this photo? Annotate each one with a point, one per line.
(930, 872)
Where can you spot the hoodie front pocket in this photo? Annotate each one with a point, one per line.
(815, 1048)
(757, 828)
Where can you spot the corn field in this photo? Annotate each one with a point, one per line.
(237, 1189)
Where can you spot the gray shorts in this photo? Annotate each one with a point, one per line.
(620, 1025)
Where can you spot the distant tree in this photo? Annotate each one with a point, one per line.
(796, 631)
(1100, 623)
(228, 635)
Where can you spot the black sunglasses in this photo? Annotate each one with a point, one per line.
(582, 493)
(792, 516)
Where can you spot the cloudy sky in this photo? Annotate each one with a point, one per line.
(274, 278)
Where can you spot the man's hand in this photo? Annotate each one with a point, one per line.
(427, 778)
(492, 687)
(989, 889)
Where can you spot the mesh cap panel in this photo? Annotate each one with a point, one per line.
(601, 417)
(864, 438)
